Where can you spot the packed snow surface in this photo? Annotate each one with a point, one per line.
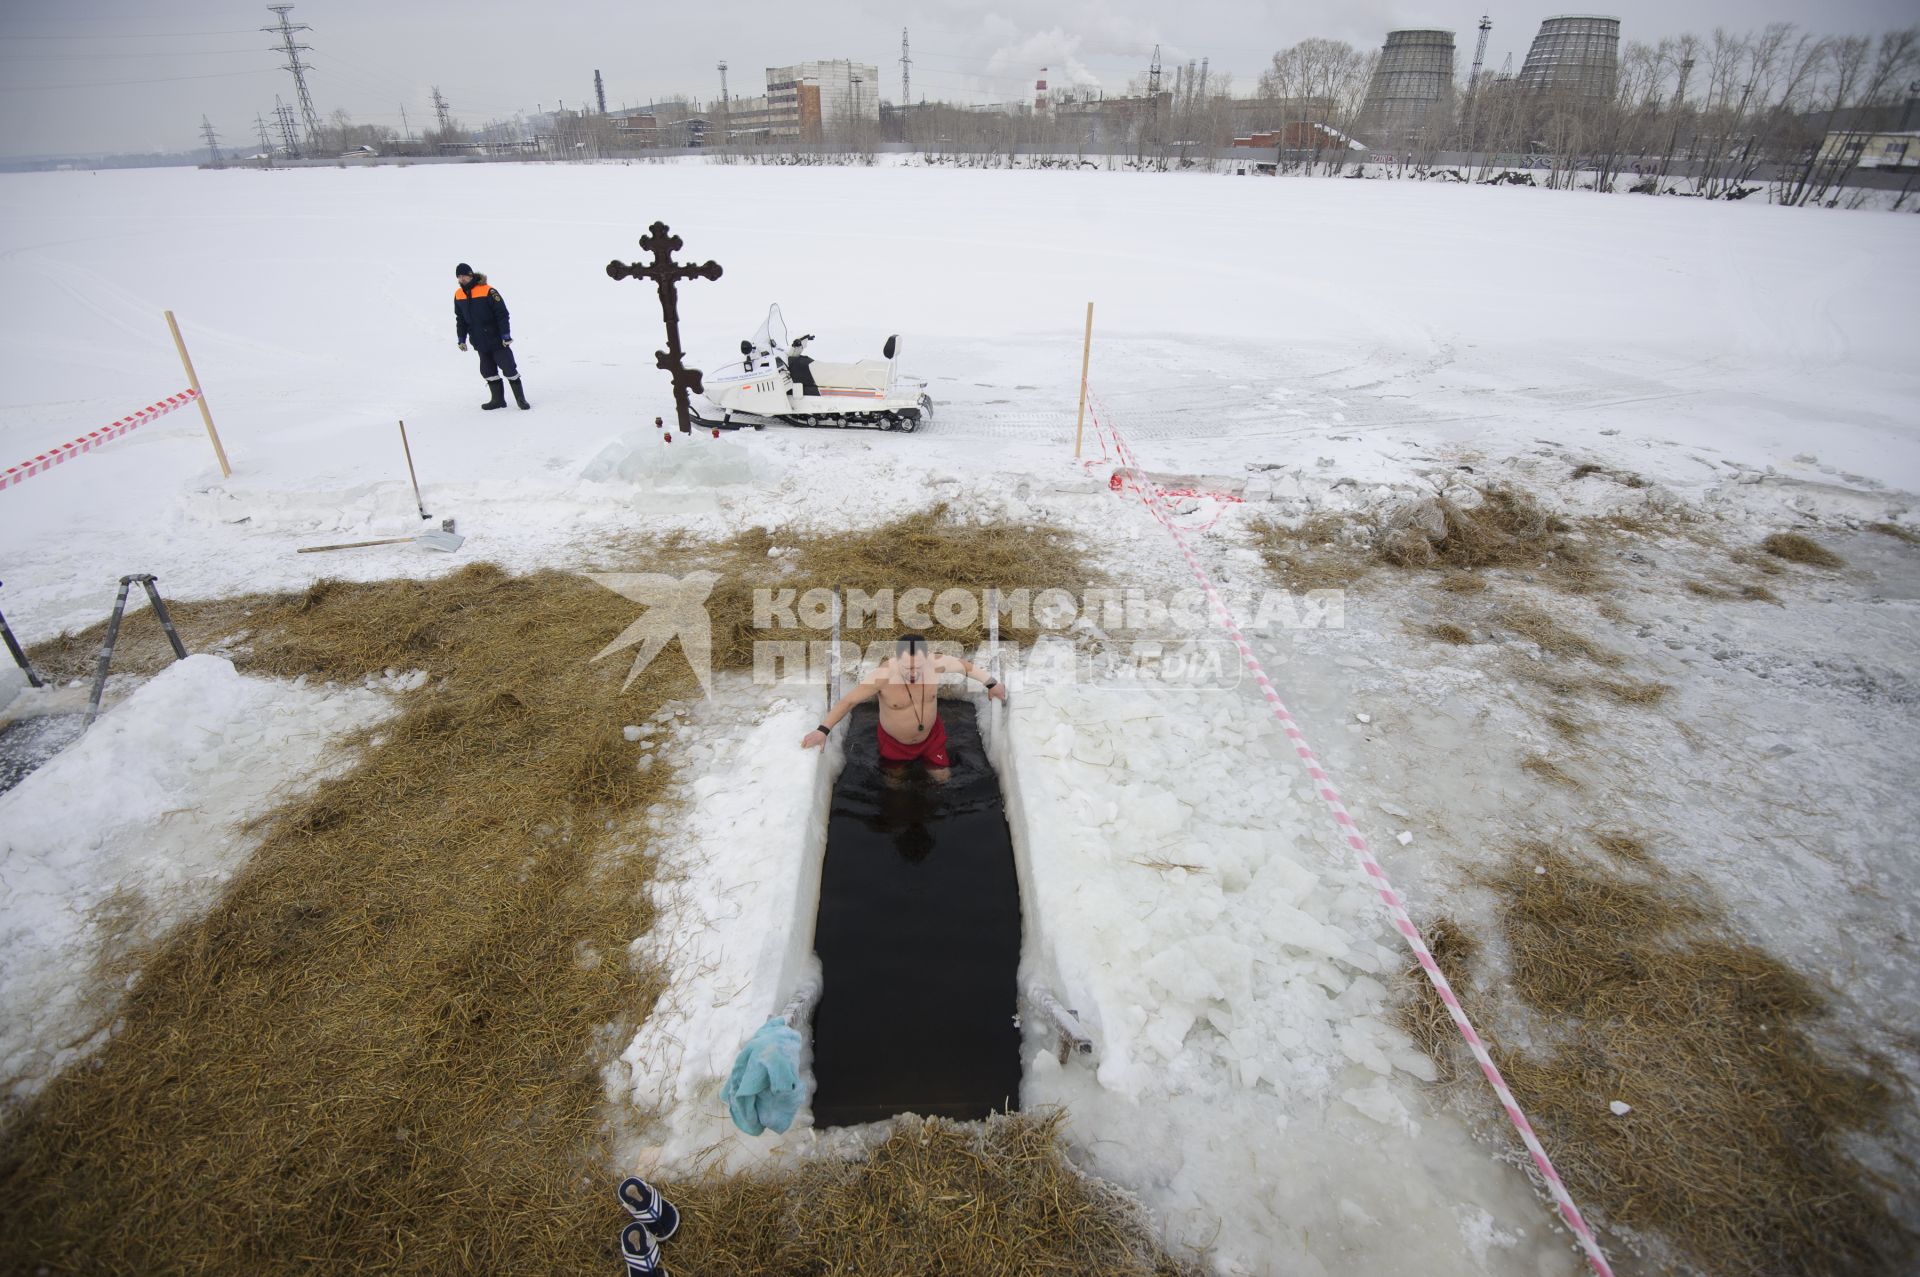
(1361, 322)
(1307, 346)
(134, 828)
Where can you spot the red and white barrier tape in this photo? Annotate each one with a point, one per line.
(1129, 474)
(1350, 833)
(1128, 477)
(94, 438)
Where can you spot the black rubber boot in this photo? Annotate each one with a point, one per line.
(499, 399)
(519, 395)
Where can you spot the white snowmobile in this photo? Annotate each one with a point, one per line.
(776, 380)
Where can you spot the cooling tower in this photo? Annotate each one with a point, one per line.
(1577, 55)
(1412, 80)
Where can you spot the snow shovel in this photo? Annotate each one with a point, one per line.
(418, 504)
(444, 539)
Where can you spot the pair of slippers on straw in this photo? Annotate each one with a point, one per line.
(654, 1220)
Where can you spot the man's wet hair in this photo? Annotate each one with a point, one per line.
(908, 642)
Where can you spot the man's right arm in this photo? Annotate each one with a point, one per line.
(459, 321)
(866, 690)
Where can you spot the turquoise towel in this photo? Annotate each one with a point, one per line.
(764, 1089)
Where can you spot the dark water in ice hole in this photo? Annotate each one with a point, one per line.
(28, 743)
(918, 938)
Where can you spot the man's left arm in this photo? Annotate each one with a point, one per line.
(957, 664)
(506, 327)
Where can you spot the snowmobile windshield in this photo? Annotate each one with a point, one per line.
(772, 335)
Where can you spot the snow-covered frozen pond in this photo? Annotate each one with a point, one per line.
(1316, 341)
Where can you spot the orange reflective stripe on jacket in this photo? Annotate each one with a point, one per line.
(478, 290)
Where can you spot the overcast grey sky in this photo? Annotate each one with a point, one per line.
(128, 75)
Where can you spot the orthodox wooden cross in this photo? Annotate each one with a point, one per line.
(666, 275)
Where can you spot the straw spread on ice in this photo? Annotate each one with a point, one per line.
(1633, 982)
(395, 1011)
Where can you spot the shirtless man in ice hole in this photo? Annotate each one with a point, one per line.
(908, 685)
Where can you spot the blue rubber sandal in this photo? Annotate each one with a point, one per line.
(644, 1202)
(641, 1252)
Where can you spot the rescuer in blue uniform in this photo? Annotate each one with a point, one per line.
(480, 317)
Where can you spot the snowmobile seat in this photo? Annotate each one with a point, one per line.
(800, 368)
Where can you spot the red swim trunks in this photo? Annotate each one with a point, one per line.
(932, 751)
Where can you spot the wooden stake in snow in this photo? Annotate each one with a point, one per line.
(1086, 352)
(993, 645)
(206, 413)
(833, 654)
(445, 539)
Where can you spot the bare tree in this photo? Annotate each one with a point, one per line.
(1738, 148)
(1620, 127)
(1328, 78)
(1789, 75)
(1677, 56)
(1859, 77)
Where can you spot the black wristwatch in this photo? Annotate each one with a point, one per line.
(992, 683)
(823, 729)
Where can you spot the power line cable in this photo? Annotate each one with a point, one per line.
(95, 57)
(124, 35)
(107, 84)
(341, 66)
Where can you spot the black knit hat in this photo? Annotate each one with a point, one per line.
(463, 269)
